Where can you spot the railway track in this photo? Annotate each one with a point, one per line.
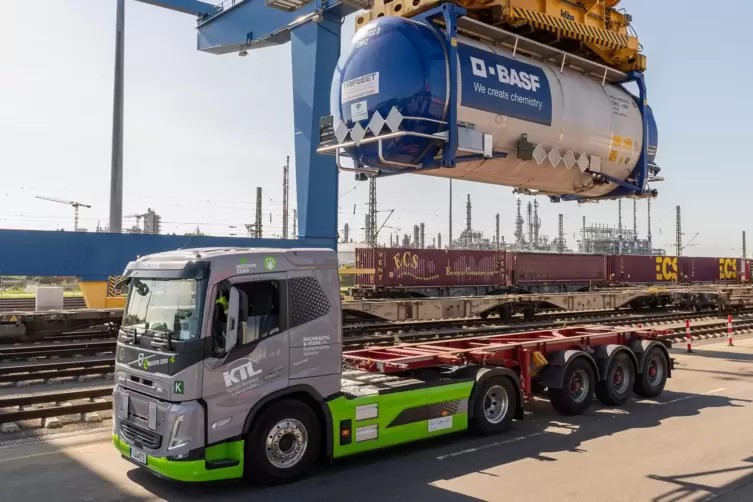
(56, 349)
(49, 405)
(356, 341)
(104, 342)
(26, 372)
(19, 304)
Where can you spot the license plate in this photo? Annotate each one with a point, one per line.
(138, 456)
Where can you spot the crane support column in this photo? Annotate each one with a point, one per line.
(316, 49)
(116, 174)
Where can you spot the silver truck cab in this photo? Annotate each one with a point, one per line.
(208, 337)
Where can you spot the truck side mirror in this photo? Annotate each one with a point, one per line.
(237, 307)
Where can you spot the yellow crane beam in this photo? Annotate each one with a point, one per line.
(589, 28)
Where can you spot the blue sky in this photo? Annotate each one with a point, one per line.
(202, 131)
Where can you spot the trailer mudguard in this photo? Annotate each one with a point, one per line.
(482, 373)
(641, 347)
(604, 354)
(304, 393)
(553, 375)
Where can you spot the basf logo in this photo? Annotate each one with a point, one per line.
(504, 86)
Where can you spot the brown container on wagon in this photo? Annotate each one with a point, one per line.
(399, 267)
(553, 268)
(704, 269)
(643, 269)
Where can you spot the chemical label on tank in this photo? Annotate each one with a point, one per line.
(359, 111)
(620, 105)
(360, 87)
(504, 86)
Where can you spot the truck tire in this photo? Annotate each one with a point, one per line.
(616, 388)
(651, 382)
(283, 444)
(494, 405)
(574, 397)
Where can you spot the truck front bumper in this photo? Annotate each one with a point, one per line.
(168, 438)
(189, 470)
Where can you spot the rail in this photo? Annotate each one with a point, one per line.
(58, 409)
(46, 371)
(712, 328)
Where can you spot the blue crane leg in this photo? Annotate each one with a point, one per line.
(316, 49)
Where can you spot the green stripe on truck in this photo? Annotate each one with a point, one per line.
(401, 417)
(193, 470)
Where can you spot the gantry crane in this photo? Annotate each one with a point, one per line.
(594, 29)
(75, 205)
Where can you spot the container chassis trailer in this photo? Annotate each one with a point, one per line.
(259, 386)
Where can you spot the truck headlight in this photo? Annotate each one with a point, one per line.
(177, 437)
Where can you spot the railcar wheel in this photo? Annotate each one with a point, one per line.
(651, 382)
(574, 397)
(505, 313)
(494, 405)
(529, 313)
(283, 445)
(616, 388)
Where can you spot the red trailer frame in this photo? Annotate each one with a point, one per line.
(513, 350)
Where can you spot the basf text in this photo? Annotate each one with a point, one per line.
(504, 86)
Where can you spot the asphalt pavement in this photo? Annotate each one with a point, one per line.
(695, 442)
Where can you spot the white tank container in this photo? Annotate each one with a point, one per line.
(569, 114)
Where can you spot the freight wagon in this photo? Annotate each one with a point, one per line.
(634, 270)
(405, 273)
(541, 272)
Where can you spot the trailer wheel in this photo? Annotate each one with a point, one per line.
(494, 406)
(651, 382)
(616, 388)
(577, 389)
(283, 445)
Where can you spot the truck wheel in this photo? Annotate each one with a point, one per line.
(283, 445)
(577, 389)
(616, 388)
(651, 382)
(494, 406)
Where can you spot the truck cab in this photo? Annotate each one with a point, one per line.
(208, 337)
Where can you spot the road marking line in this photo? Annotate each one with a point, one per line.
(690, 397)
(32, 455)
(61, 449)
(489, 445)
(521, 438)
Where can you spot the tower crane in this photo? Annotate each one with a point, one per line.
(75, 205)
(138, 222)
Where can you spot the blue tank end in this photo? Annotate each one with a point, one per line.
(653, 135)
(395, 62)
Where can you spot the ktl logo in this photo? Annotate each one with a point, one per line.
(240, 374)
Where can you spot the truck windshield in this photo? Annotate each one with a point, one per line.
(165, 307)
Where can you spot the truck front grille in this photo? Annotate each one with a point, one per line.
(133, 433)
